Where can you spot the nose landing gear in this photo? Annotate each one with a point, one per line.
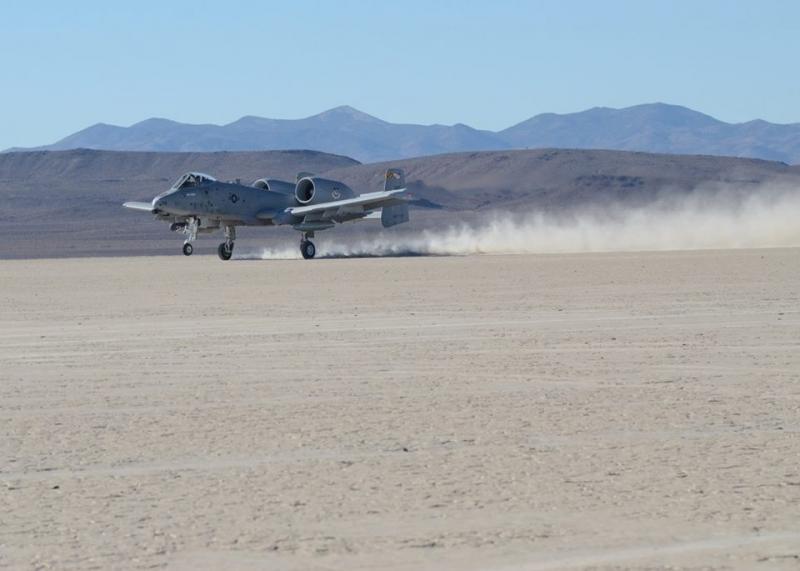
(190, 229)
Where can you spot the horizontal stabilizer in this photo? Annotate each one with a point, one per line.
(143, 206)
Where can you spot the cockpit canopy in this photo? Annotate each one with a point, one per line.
(191, 180)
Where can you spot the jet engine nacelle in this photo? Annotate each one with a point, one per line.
(313, 190)
(274, 185)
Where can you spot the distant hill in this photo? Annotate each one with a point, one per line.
(150, 170)
(657, 128)
(68, 203)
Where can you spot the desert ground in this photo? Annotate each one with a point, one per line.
(603, 411)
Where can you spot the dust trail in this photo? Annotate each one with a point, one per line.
(706, 222)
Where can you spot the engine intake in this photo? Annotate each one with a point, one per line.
(274, 185)
(314, 190)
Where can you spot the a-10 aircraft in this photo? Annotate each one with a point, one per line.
(198, 203)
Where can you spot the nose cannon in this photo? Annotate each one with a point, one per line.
(159, 204)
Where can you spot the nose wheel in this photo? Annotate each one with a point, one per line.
(189, 228)
(308, 249)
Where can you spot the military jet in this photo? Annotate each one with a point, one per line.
(198, 203)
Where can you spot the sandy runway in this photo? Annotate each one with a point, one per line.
(484, 412)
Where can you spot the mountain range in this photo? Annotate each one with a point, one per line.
(655, 128)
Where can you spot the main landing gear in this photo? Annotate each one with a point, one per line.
(307, 247)
(225, 250)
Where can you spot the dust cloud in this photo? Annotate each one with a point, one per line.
(716, 221)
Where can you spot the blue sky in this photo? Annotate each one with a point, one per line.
(489, 64)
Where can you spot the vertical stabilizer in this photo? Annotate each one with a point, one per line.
(395, 179)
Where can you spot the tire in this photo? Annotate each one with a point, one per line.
(187, 249)
(224, 251)
(308, 249)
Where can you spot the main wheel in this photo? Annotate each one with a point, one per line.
(187, 249)
(308, 249)
(225, 251)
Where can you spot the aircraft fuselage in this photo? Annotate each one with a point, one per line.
(225, 202)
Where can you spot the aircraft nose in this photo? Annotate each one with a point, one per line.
(159, 204)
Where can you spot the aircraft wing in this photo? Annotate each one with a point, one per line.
(361, 203)
(143, 206)
(394, 210)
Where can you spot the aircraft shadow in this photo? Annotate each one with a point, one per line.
(405, 253)
(399, 254)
